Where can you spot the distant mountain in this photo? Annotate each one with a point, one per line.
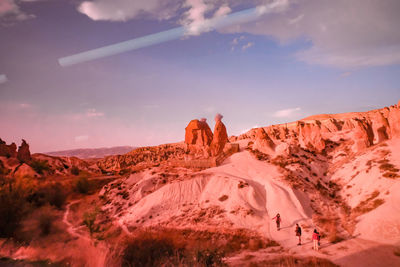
(86, 153)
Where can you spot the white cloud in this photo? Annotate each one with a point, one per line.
(286, 113)
(222, 11)
(247, 46)
(3, 78)
(92, 112)
(342, 33)
(123, 10)
(81, 138)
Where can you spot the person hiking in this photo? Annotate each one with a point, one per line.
(278, 220)
(315, 240)
(298, 233)
(319, 239)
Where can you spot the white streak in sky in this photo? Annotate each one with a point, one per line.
(169, 35)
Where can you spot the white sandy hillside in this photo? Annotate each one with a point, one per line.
(371, 187)
(242, 193)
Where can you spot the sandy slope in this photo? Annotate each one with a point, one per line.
(247, 193)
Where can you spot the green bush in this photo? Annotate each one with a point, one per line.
(82, 185)
(13, 204)
(40, 166)
(89, 219)
(75, 170)
(45, 221)
(49, 193)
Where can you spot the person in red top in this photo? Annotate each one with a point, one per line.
(278, 220)
(315, 239)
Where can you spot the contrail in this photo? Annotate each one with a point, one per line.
(3, 78)
(169, 35)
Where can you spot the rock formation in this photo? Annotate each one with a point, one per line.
(198, 133)
(24, 155)
(362, 129)
(9, 151)
(220, 136)
(263, 142)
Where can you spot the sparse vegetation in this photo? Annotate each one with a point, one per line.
(89, 219)
(171, 247)
(40, 166)
(82, 185)
(75, 170)
(369, 204)
(45, 221)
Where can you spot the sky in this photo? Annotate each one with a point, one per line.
(294, 58)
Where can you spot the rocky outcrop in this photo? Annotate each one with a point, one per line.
(310, 136)
(198, 133)
(220, 136)
(24, 155)
(263, 142)
(9, 151)
(362, 129)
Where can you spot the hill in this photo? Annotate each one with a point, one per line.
(86, 153)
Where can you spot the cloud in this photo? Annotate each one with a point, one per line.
(195, 20)
(10, 12)
(123, 10)
(247, 46)
(342, 34)
(286, 113)
(92, 113)
(3, 78)
(81, 138)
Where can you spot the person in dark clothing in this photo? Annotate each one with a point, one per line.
(278, 220)
(298, 233)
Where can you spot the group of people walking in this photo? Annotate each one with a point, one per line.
(316, 237)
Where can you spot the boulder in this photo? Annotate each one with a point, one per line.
(24, 155)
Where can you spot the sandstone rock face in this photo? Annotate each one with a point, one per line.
(362, 129)
(394, 121)
(263, 142)
(198, 133)
(24, 155)
(310, 136)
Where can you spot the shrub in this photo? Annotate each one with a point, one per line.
(82, 185)
(49, 193)
(75, 170)
(45, 221)
(89, 219)
(40, 166)
(13, 204)
(223, 198)
(147, 250)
